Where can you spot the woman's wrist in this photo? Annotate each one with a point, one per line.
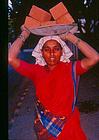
(25, 34)
(77, 42)
(72, 38)
(22, 38)
(25, 31)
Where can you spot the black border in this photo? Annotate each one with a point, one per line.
(3, 70)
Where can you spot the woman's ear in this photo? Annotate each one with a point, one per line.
(42, 51)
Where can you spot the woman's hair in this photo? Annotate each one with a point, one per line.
(52, 40)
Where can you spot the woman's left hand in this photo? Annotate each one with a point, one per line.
(65, 35)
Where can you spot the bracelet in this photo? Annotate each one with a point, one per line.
(22, 38)
(77, 42)
(24, 28)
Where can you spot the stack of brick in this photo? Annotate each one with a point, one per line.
(39, 17)
(61, 14)
(48, 23)
(36, 17)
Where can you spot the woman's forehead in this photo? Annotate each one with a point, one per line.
(51, 42)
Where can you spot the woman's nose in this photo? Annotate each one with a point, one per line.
(52, 53)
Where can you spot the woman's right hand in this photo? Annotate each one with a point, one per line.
(25, 32)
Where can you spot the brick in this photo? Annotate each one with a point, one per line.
(58, 10)
(31, 23)
(39, 14)
(65, 19)
(48, 23)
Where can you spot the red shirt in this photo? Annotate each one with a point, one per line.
(53, 88)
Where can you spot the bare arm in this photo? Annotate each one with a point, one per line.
(15, 49)
(91, 56)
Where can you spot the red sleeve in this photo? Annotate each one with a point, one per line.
(26, 69)
(79, 69)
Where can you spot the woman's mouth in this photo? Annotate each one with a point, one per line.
(52, 58)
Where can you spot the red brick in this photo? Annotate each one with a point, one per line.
(65, 19)
(31, 23)
(58, 10)
(39, 14)
(48, 23)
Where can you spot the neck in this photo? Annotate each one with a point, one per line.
(51, 67)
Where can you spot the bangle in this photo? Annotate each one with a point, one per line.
(77, 42)
(22, 38)
(24, 28)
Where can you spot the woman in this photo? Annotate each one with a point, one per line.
(52, 77)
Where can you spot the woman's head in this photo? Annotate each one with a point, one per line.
(52, 52)
(51, 49)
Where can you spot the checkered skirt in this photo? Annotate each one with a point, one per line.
(46, 124)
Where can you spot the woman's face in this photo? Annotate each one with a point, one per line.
(52, 52)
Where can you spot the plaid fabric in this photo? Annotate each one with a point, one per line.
(53, 124)
(41, 132)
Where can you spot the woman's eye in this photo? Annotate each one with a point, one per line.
(46, 49)
(56, 49)
(53, 50)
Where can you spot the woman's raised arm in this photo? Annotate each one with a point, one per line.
(15, 48)
(91, 55)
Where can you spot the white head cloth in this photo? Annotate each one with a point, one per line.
(38, 54)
